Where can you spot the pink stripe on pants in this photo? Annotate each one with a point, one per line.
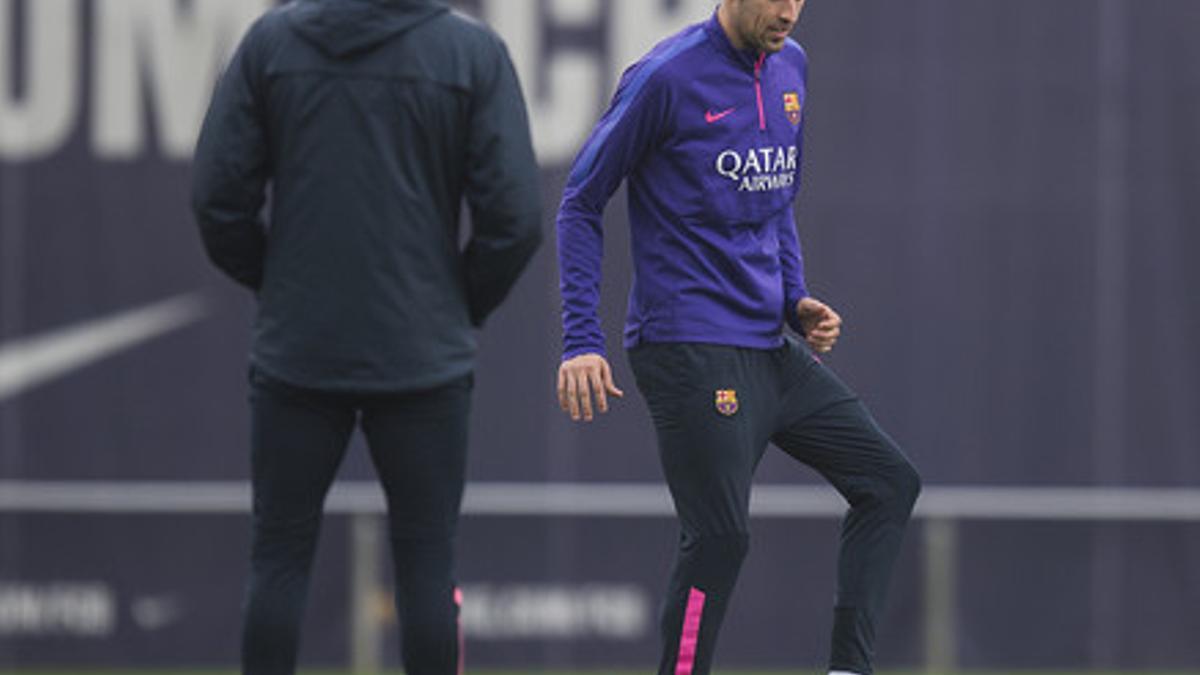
(691, 632)
(458, 600)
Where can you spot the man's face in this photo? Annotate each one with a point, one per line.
(764, 24)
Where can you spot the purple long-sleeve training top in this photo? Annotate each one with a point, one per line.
(709, 137)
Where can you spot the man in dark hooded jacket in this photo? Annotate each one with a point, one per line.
(370, 121)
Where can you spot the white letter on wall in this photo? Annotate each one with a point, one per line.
(40, 122)
(562, 112)
(152, 47)
(637, 25)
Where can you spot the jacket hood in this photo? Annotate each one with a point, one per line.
(343, 28)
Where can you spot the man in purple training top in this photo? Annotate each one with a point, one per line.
(707, 130)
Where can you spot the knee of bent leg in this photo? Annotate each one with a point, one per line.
(904, 485)
(891, 487)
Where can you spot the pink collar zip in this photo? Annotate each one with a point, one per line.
(762, 117)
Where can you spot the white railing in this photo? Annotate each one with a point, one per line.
(942, 507)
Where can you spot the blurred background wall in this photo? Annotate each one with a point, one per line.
(1001, 198)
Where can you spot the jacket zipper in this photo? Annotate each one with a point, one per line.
(762, 117)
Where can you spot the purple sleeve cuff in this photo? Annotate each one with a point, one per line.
(572, 352)
(791, 315)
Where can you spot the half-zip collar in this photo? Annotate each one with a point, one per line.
(762, 116)
(747, 58)
(752, 60)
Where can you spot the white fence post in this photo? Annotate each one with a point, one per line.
(941, 639)
(366, 640)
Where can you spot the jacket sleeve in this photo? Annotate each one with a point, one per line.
(502, 187)
(792, 263)
(230, 171)
(791, 260)
(631, 124)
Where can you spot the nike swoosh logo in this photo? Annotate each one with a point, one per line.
(28, 362)
(710, 116)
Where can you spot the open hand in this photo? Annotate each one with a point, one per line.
(579, 380)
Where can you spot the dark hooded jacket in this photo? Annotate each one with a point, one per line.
(369, 121)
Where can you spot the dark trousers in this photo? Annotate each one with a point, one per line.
(418, 443)
(715, 408)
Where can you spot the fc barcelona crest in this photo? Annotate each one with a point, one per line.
(791, 106)
(727, 403)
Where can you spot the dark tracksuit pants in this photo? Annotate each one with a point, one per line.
(715, 408)
(418, 444)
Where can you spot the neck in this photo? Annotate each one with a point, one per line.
(726, 22)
